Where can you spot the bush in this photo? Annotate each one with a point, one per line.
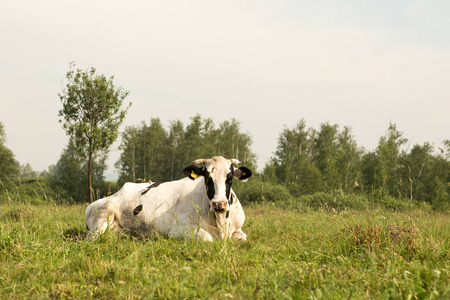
(258, 191)
(337, 201)
(106, 188)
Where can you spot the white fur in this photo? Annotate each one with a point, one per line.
(174, 209)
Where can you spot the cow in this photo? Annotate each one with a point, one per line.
(201, 206)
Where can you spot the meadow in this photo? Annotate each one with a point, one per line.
(291, 253)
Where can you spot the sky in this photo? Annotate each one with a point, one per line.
(268, 64)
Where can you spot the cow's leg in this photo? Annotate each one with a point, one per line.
(239, 235)
(190, 232)
(203, 235)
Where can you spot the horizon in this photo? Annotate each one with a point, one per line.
(267, 64)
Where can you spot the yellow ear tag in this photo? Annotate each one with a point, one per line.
(243, 173)
(193, 175)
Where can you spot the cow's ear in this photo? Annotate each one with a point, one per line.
(242, 173)
(193, 172)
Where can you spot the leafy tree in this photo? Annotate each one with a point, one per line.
(325, 148)
(50, 172)
(26, 171)
(368, 173)
(293, 160)
(128, 158)
(156, 150)
(175, 140)
(348, 160)
(232, 143)
(9, 167)
(91, 113)
(145, 150)
(308, 161)
(195, 143)
(337, 156)
(387, 167)
(152, 152)
(424, 175)
(70, 171)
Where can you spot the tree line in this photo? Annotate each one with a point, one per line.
(306, 160)
(151, 152)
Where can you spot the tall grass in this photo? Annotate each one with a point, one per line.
(290, 254)
(32, 191)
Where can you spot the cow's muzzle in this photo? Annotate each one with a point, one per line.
(219, 206)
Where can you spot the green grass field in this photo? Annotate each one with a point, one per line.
(290, 254)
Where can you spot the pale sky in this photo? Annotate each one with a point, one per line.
(267, 64)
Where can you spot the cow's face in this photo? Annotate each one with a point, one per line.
(218, 173)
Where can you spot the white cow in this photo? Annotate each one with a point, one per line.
(202, 206)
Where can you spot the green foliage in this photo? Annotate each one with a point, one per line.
(258, 191)
(91, 112)
(308, 162)
(387, 171)
(70, 173)
(9, 167)
(150, 152)
(289, 254)
(26, 171)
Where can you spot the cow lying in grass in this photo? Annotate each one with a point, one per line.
(202, 206)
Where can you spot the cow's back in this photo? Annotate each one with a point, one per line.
(160, 206)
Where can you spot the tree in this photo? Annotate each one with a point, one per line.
(337, 156)
(387, 171)
(195, 144)
(232, 143)
(70, 171)
(145, 153)
(152, 152)
(308, 161)
(91, 113)
(325, 149)
(425, 176)
(26, 171)
(9, 167)
(293, 164)
(176, 137)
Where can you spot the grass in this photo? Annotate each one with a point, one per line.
(290, 254)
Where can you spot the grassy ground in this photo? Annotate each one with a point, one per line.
(313, 254)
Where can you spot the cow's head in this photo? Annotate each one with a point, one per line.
(218, 173)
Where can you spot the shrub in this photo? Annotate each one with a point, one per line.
(258, 191)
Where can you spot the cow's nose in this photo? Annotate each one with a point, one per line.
(219, 205)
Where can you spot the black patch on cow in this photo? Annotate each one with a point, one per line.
(153, 185)
(227, 214)
(231, 198)
(244, 173)
(87, 227)
(228, 183)
(137, 210)
(210, 191)
(193, 172)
